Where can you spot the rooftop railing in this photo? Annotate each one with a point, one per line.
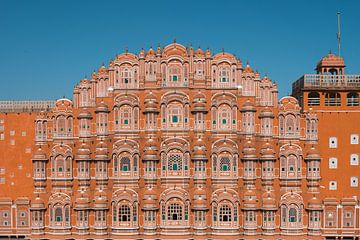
(326, 81)
(26, 106)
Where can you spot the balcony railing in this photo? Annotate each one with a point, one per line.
(26, 106)
(326, 81)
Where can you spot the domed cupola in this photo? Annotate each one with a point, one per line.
(314, 203)
(150, 201)
(269, 201)
(249, 150)
(199, 152)
(82, 202)
(199, 103)
(312, 153)
(83, 153)
(150, 53)
(84, 114)
(101, 151)
(248, 107)
(199, 52)
(266, 113)
(37, 203)
(151, 103)
(100, 200)
(40, 154)
(102, 107)
(267, 151)
(250, 201)
(150, 150)
(199, 201)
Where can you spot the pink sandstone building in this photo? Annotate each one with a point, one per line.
(178, 143)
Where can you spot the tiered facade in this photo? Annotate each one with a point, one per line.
(174, 143)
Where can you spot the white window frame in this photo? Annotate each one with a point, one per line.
(331, 164)
(332, 185)
(354, 159)
(354, 181)
(354, 139)
(333, 142)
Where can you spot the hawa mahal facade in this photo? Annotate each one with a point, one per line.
(178, 143)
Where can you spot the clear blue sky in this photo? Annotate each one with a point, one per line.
(47, 46)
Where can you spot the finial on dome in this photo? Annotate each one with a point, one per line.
(174, 40)
(126, 50)
(223, 51)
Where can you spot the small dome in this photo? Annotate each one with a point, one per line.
(199, 52)
(151, 52)
(314, 203)
(331, 60)
(313, 152)
(199, 201)
(150, 199)
(82, 201)
(83, 152)
(40, 154)
(151, 103)
(101, 151)
(266, 113)
(199, 97)
(102, 70)
(249, 150)
(250, 199)
(102, 107)
(150, 150)
(37, 203)
(100, 199)
(200, 191)
(199, 152)
(248, 107)
(248, 69)
(268, 201)
(84, 114)
(267, 151)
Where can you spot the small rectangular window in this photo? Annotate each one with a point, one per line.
(332, 185)
(332, 142)
(354, 159)
(175, 119)
(23, 133)
(354, 182)
(354, 139)
(332, 163)
(12, 132)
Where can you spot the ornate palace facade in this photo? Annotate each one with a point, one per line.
(172, 143)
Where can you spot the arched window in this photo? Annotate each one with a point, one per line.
(126, 76)
(58, 214)
(352, 99)
(124, 213)
(125, 164)
(174, 73)
(224, 74)
(225, 164)
(332, 99)
(292, 215)
(314, 99)
(290, 125)
(174, 212)
(225, 213)
(224, 117)
(59, 210)
(177, 163)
